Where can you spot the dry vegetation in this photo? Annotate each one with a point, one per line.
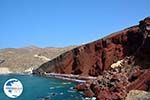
(18, 60)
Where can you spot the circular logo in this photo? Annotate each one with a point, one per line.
(13, 88)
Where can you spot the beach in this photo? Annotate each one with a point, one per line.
(4, 70)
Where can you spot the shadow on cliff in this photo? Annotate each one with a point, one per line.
(95, 57)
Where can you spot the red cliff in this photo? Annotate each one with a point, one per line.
(96, 58)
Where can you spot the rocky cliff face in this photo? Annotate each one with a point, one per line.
(93, 58)
(114, 80)
(133, 74)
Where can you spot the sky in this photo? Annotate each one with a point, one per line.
(60, 23)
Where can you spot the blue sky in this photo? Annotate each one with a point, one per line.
(59, 23)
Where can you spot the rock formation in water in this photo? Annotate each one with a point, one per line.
(131, 47)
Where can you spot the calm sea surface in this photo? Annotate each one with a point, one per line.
(38, 88)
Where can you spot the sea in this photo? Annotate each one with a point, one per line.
(41, 88)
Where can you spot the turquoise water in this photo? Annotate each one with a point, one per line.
(37, 88)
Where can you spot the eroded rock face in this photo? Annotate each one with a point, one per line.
(109, 86)
(115, 84)
(131, 46)
(93, 58)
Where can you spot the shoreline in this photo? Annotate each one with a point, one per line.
(67, 77)
(70, 77)
(13, 73)
(78, 79)
(4, 70)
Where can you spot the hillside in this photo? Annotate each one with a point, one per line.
(95, 57)
(120, 62)
(21, 59)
